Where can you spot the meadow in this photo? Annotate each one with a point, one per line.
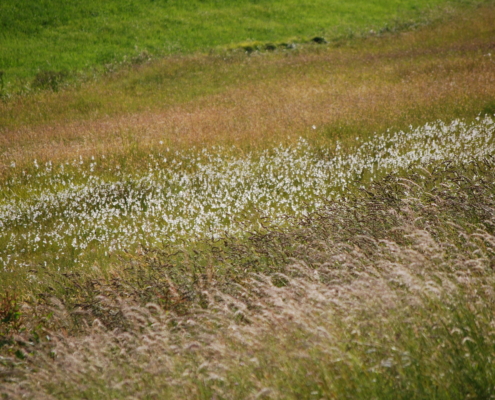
(43, 42)
(312, 221)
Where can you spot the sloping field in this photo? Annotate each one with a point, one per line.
(301, 223)
(39, 38)
(444, 71)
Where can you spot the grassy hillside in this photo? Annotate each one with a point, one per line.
(56, 36)
(442, 71)
(313, 222)
(108, 166)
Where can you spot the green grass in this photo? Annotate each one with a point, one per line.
(287, 224)
(53, 35)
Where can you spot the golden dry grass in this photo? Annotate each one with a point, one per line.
(441, 71)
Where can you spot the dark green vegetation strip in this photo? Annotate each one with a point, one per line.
(56, 36)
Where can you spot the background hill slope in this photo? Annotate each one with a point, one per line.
(55, 35)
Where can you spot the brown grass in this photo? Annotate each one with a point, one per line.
(441, 71)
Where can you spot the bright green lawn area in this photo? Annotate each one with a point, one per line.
(56, 35)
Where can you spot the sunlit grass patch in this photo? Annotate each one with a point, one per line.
(47, 38)
(443, 71)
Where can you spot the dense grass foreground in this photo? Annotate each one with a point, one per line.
(58, 37)
(388, 294)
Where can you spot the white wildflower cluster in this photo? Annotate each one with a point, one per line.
(71, 211)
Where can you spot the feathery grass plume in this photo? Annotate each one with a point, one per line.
(389, 294)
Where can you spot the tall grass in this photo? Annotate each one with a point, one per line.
(386, 295)
(73, 216)
(232, 226)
